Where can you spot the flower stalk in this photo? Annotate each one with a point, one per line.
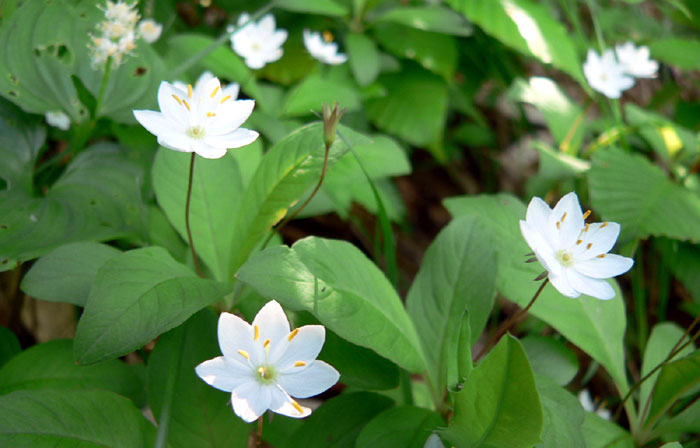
(187, 217)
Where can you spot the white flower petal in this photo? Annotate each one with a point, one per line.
(224, 374)
(315, 378)
(272, 324)
(251, 400)
(561, 283)
(601, 237)
(235, 334)
(542, 249)
(567, 219)
(232, 89)
(230, 115)
(600, 289)
(176, 141)
(305, 346)
(611, 265)
(167, 131)
(207, 151)
(267, 24)
(236, 139)
(282, 404)
(169, 106)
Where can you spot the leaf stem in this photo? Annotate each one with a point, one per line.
(219, 41)
(507, 325)
(187, 217)
(103, 87)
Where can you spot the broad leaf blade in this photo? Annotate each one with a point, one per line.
(137, 296)
(352, 297)
(400, 427)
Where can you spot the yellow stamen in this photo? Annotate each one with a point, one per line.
(186, 105)
(257, 332)
(224, 99)
(328, 36)
(558, 224)
(566, 257)
(299, 364)
(589, 245)
(213, 94)
(586, 215)
(261, 370)
(297, 407)
(601, 256)
(266, 343)
(244, 354)
(177, 98)
(604, 224)
(292, 334)
(579, 242)
(189, 90)
(211, 114)
(586, 228)
(563, 217)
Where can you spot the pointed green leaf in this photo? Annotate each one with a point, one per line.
(562, 416)
(344, 290)
(324, 7)
(51, 418)
(364, 58)
(67, 273)
(428, 18)
(199, 413)
(9, 345)
(551, 358)
(137, 296)
(675, 380)
(499, 405)
(457, 274)
(314, 91)
(601, 433)
(400, 427)
(628, 189)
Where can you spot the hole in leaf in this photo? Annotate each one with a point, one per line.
(13, 93)
(93, 202)
(3, 184)
(83, 15)
(3, 227)
(13, 79)
(4, 261)
(63, 53)
(140, 71)
(37, 52)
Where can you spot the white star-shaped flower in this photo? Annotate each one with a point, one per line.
(322, 48)
(636, 61)
(150, 30)
(265, 364)
(606, 75)
(574, 253)
(205, 119)
(258, 43)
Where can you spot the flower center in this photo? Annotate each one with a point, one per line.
(256, 46)
(565, 258)
(195, 132)
(267, 374)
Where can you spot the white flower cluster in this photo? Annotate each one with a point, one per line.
(260, 43)
(117, 37)
(119, 33)
(614, 71)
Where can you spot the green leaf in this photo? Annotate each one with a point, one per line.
(630, 190)
(52, 418)
(358, 366)
(322, 7)
(47, 43)
(97, 198)
(672, 445)
(414, 109)
(527, 27)
(499, 405)
(687, 420)
(675, 380)
(562, 416)
(457, 274)
(67, 273)
(217, 188)
(400, 427)
(596, 326)
(50, 366)
(313, 91)
(338, 421)
(137, 296)
(352, 298)
(434, 51)
(286, 171)
(662, 340)
(199, 414)
(684, 261)
(600, 433)
(223, 62)
(364, 58)
(561, 114)
(9, 345)
(427, 18)
(551, 358)
(681, 52)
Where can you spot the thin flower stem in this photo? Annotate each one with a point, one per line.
(103, 86)
(677, 348)
(258, 433)
(565, 145)
(507, 325)
(219, 41)
(187, 217)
